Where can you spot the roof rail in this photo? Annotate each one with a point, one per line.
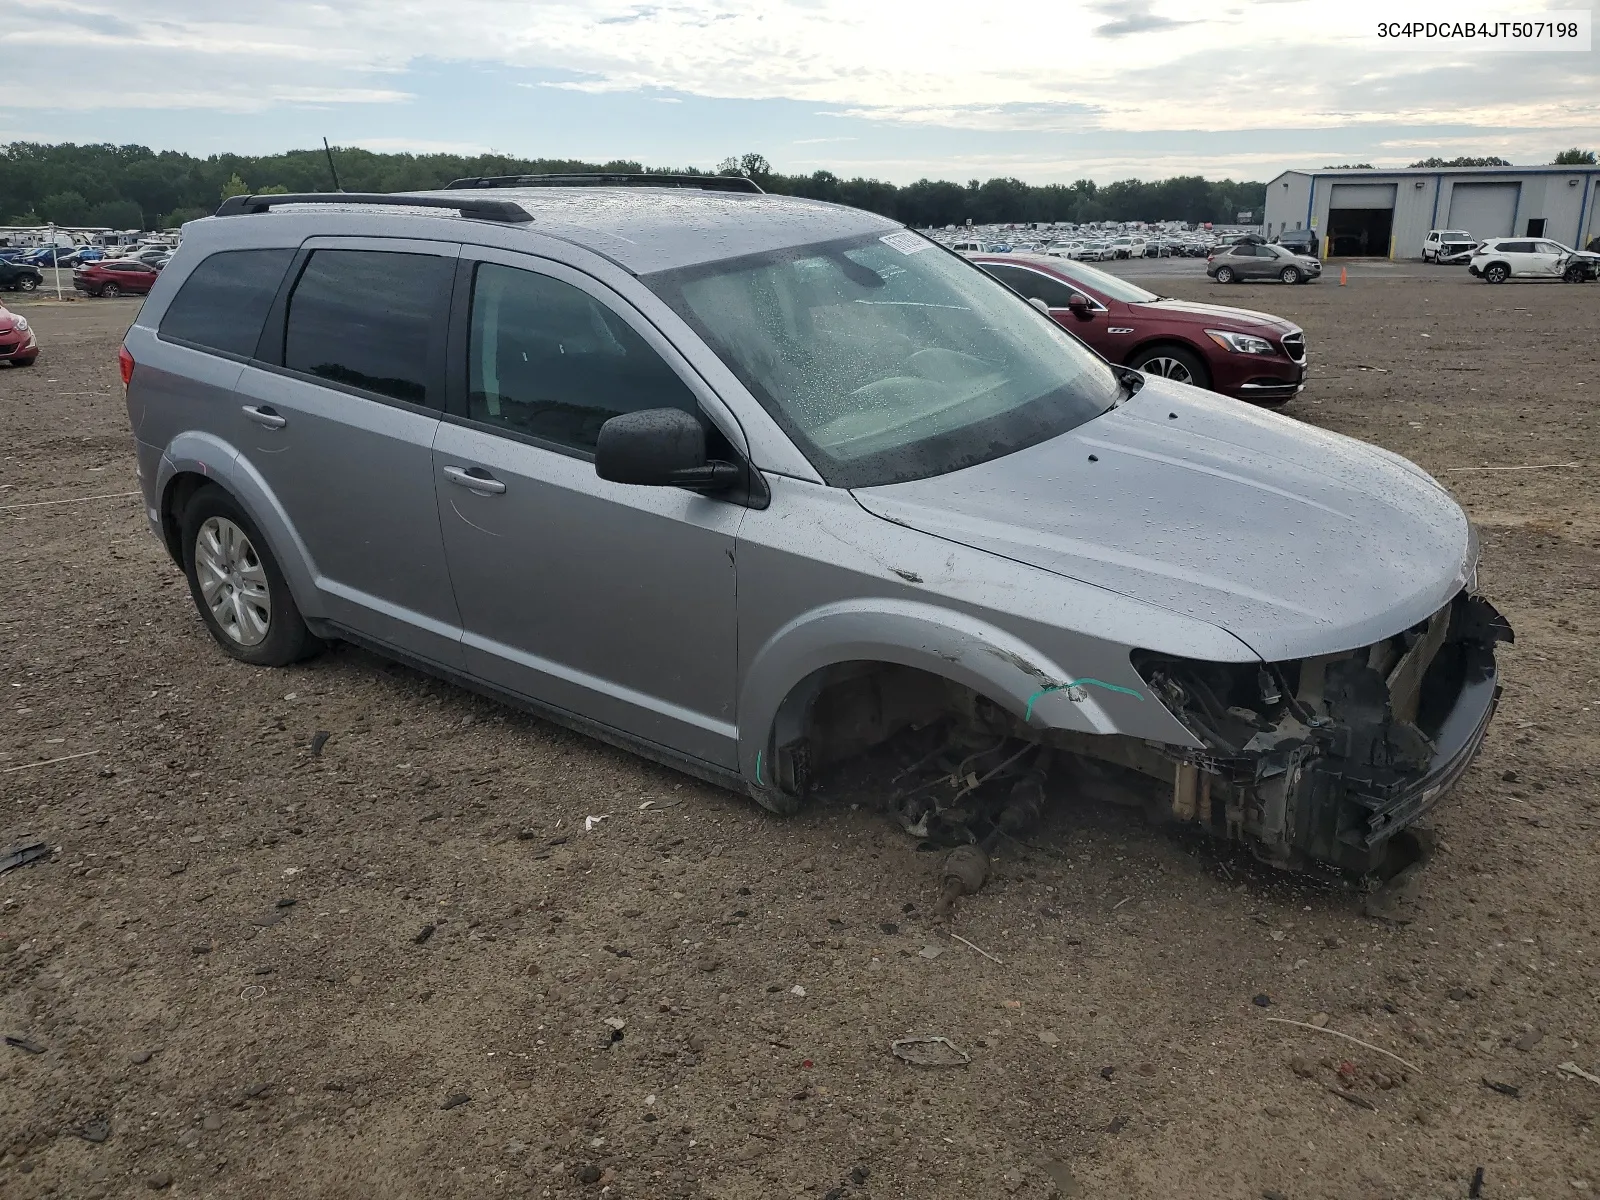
(704, 183)
(482, 210)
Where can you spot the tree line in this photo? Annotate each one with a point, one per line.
(134, 187)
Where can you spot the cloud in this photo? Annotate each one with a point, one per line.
(1028, 71)
(1132, 16)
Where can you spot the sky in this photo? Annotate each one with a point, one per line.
(1044, 90)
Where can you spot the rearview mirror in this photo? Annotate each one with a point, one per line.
(1078, 305)
(659, 447)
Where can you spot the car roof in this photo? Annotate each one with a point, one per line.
(648, 229)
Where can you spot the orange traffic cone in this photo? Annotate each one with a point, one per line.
(1344, 277)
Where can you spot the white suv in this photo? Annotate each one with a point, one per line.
(1442, 245)
(1500, 259)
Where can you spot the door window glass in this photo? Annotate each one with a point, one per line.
(1031, 284)
(369, 319)
(548, 360)
(223, 303)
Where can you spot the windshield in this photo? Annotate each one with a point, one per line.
(1105, 283)
(888, 359)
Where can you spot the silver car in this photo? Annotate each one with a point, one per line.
(1253, 260)
(752, 484)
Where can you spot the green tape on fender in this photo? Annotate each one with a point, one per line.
(1071, 683)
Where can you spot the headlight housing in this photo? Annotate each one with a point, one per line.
(1240, 343)
(21, 324)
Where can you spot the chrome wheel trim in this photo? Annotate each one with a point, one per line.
(1224, 275)
(27, 284)
(1167, 368)
(233, 583)
(1290, 275)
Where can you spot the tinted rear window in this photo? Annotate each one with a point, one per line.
(369, 319)
(222, 305)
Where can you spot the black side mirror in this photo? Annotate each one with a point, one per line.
(660, 447)
(1078, 305)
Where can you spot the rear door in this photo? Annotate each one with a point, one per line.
(337, 414)
(1242, 258)
(1519, 256)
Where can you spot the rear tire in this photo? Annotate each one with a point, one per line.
(243, 599)
(110, 291)
(1224, 274)
(1496, 273)
(1172, 362)
(1290, 275)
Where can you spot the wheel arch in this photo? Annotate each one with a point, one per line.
(194, 460)
(1170, 339)
(801, 660)
(1499, 262)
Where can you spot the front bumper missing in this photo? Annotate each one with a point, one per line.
(1332, 757)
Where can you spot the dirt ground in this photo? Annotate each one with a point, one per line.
(397, 967)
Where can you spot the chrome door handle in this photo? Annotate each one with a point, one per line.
(265, 416)
(475, 479)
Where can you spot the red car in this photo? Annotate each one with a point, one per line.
(18, 345)
(114, 277)
(1246, 355)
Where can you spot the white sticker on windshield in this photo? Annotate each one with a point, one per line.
(905, 241)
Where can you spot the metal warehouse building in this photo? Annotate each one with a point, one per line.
(1387, 214)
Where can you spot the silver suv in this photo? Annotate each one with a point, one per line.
(751, 484)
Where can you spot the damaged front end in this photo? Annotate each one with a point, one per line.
(1325, 759)
(1316, 761)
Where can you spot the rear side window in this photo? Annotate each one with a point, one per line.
(222, 305)
(370, 319)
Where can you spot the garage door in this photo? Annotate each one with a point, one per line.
(1362, 195)
(1485, 210)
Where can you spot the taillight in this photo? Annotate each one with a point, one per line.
(125, 365)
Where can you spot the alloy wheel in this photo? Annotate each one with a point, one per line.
(1167, 368)
(233, 581)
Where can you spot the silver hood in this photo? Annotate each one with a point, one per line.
(1295, 540)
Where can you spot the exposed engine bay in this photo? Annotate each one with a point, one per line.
(1318, 761)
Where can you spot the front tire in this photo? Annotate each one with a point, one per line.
(1575, 274)
(1224, 274)
(237, 585)
(27, 284)
(1497, 273)
(1172, 362)
(1290, 275)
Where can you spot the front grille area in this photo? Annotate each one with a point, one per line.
(1294, 345)
(7, 349)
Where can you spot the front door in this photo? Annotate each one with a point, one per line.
(337, 416)
(1548, 259)
(609, 601)
(1053, 293)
